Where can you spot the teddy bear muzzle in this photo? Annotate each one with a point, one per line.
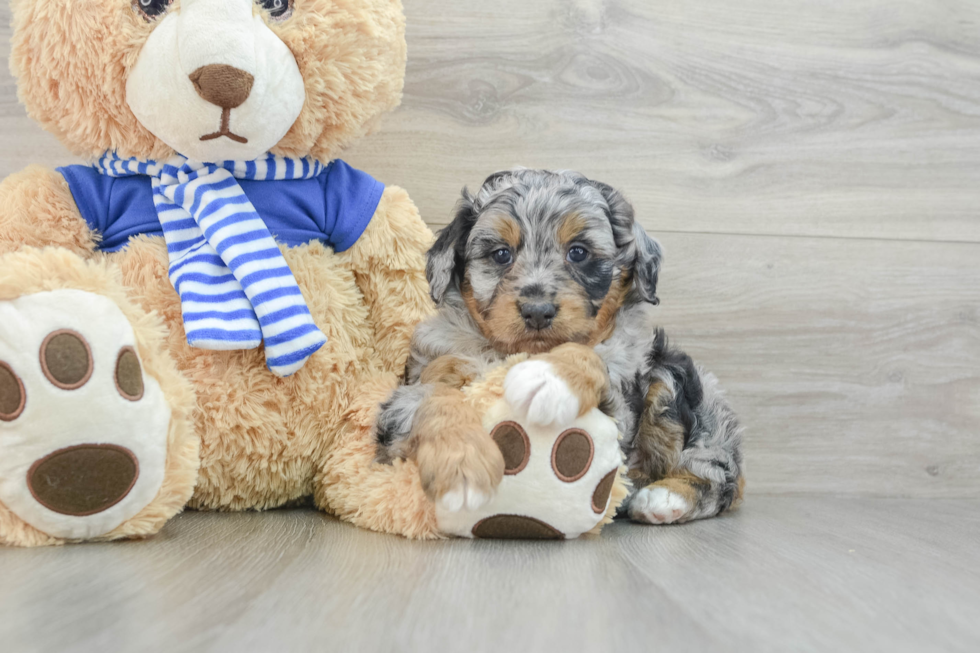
(215, 82)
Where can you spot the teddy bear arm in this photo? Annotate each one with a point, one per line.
(37, 210)
(388, 262)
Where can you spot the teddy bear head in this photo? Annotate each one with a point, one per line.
(212, 80)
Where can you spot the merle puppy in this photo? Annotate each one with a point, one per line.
(553, 265)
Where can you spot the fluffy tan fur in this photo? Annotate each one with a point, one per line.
(32, 270)
(250, 440)
(71, 60)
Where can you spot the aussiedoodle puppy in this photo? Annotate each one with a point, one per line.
(554, 265)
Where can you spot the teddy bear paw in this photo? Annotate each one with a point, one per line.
(537, 394)
(83, 430)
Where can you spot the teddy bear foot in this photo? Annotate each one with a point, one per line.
(83, 427)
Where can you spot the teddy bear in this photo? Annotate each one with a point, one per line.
(209, 314)
(189, 320)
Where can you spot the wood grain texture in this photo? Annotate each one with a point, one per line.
(813, 171)
(762, 116)
(854, 364)
(783, 574)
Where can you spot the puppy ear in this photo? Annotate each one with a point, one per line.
(445, 261)
(646, 265)
(639, 252)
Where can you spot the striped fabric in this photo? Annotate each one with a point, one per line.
(235, 288)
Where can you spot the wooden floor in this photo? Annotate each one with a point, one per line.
(813, 171)
(785, 574)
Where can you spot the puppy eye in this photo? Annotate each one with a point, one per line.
(276, 8)
(151, 9)
(502, 257)
(577, 254)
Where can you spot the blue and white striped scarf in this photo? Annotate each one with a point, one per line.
(235, 288)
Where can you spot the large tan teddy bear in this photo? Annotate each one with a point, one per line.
(209, 314)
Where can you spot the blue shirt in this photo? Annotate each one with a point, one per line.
(334, 207)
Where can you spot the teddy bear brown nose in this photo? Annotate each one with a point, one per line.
(222, 85)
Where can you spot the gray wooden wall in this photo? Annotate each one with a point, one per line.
(812, 169)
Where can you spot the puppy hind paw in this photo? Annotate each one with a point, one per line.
(539, 395)
(658, 505)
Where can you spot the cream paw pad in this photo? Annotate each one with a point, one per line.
(560, 480)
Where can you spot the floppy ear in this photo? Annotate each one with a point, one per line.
(445, 261)
(646, 265)
(639, 252)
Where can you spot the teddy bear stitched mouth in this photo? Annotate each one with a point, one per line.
(226, 87)
(224, 130)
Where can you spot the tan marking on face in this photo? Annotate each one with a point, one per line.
(508, 229)
(605, 319)
(572, 225)
(501, 322)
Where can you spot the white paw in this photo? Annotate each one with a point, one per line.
(463, 496)
(658, 505)
(539, 395)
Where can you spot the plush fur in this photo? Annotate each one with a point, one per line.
(71, 60)
(241, 438)
(32, 270)
(554, 264)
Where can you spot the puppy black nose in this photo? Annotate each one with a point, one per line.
(538, 316)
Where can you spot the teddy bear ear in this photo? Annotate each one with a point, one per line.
(446, 260)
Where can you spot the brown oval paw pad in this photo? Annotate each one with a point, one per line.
(12, 394)
(83, 480)
(515, 527)
(572, 455)
(514, 445)
(129, 376)
(66, 359)
(601, 495)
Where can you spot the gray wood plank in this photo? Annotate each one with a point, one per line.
(800, 574)
(855, 364)
(769, 116)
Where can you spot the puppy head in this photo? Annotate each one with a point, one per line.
(542, 258)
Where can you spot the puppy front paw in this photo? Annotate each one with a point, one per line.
(536, 392)
(460, 472)
(658, 505)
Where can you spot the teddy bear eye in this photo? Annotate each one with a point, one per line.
(276, 8)
(150, 9)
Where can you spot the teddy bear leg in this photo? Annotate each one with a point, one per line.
(37, 210)
(388, 262)
(350, 484)
(95, 437)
